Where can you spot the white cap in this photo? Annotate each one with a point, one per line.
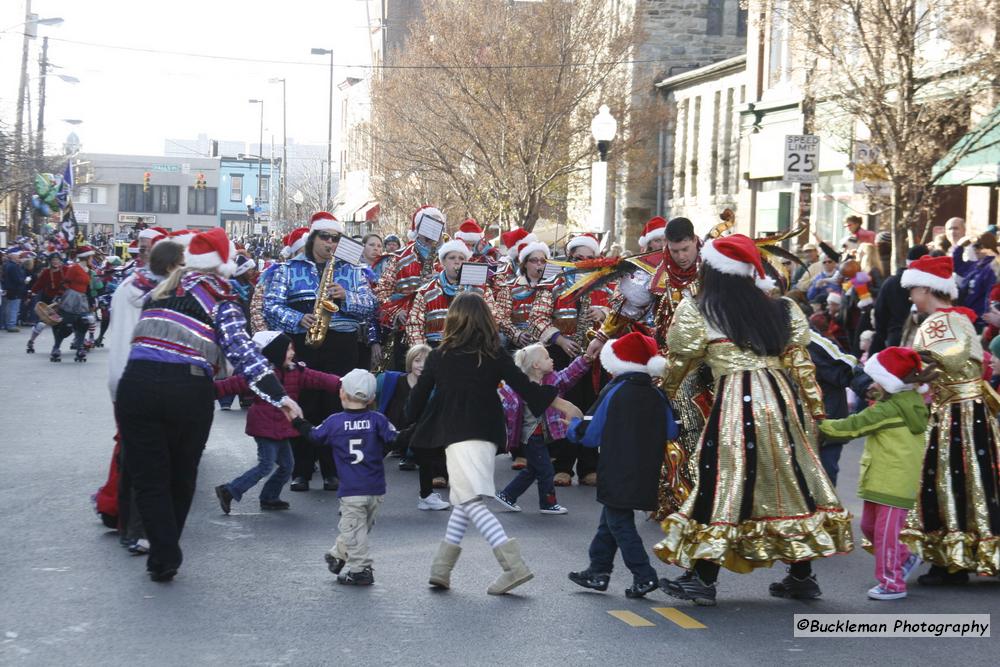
(359, 385)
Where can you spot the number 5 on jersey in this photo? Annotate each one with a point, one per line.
(357, 453)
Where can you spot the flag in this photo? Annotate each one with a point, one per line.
(66, 187)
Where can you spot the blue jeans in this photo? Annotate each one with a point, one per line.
(617, 531)
(269, 452)
(539, 468)
(11, 308)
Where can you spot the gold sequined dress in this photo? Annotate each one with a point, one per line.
(956, 519)
(760, 494)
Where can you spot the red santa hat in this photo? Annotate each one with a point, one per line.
(211, 251)
(737, 255)
(470, 232)
(182, 236)
(632, 353)
(891, 365)
(526, 248)
(583, 241)
(937, 273)
(454, 245)
(85, 251)
(654, 229)
(513, 237)
(295, 241)
(426, 210)
(133, 248)
(322, 221)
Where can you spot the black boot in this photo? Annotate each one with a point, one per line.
(225, 497)
(55, 356)
(299, 484)
(640, 589)
(690, 586)
(31, 347)
(597, 581)
(940, 576)
(796, 588)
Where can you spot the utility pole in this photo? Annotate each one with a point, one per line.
(329, 139)
(43, 66)
(14, 214)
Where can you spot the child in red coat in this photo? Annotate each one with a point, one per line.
(268, 424)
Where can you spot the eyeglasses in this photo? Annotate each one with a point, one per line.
(535, 260)
(324, 236)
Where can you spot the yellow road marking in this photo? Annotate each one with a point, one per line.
(679, 617)
(631, 618)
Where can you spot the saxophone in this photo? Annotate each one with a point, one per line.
(323, 309)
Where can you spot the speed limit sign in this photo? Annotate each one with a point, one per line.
(801, 158)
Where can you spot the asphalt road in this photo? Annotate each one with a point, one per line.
(254, 589)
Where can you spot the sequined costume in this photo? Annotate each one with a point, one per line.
(956, 520)
(514, 301)
(760, 494)
(425, 323)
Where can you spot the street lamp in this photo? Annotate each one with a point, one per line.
(604, 127)
(260, 144)
(284, 147)
(329, 140)
(299, 199)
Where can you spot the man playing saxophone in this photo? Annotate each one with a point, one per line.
(290, 302)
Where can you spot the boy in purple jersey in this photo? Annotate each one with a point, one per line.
(360, 439)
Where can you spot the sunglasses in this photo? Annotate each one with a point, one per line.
(324, 236)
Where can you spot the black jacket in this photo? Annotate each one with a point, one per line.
(892, 307)
(456, 398)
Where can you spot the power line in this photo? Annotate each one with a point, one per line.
(317, 63)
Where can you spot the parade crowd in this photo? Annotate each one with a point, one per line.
(707, 383)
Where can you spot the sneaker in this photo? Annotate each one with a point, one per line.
(333, 563)
(139, 548)
(689, 586)
(507, 502)
(520, 463)
(363, 578)
(299, 484)
(882, 593)
(554, 508)
(795, 588)
(912, 563)
(640, 589)
(597, 581)
(225, 497)
(407, 464)
(433, 502)
(331, 484)
(274, 505)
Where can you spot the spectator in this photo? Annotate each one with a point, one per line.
(853, 224)
(954, 231)
(892, 306)
(15, 274)
(979, 276)
(825, 283)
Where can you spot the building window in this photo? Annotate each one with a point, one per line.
(264, 191)
(715, 13)
(90, 195)
(202, 202)
(236, 187)
(159, 199)
(741, 22)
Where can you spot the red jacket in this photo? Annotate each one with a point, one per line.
(263, 419)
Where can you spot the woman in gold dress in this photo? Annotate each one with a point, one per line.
(760, 494)
(956, 520)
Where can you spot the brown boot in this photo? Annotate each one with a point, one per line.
(590, 479)
(444, 562)
(515, 572)
(562, 479)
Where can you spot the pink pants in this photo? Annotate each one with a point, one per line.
(881, 524)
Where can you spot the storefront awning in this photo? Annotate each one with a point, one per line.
(367, 213)
(975, 158)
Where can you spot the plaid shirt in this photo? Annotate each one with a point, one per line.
(513, 405)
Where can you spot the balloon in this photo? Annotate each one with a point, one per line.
(40, 206)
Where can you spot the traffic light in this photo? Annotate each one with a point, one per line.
(145, 181)
(200, 182)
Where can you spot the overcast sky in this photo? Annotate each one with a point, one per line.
(130, 101)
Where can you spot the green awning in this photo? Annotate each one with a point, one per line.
(979, 149)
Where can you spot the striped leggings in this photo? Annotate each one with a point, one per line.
(477, 512)
(881, 524)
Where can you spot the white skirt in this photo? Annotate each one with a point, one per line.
(470, 470)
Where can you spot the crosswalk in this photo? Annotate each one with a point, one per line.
(672, 614)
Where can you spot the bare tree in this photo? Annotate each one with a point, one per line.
(913, 72)
(489, 109)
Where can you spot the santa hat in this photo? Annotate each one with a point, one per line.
(454, 245)
(153, 232)
(321, 221)
(273, 345)
(891, 365)
(181, 236)
(470, 231)
(654, 229)
(834, 297)
(418, 216)
(85, 251)
(526, 248)
(937, 273)
(513, 237)
(133, 248)
(736, 255)
(632, 353)
(296, 241)
(211, 251)
(583, 241)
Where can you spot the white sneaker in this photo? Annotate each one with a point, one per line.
(880, 593)
(433, 502)
(911, 564)
(554, 509)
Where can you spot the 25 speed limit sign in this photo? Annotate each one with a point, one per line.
(801, 158)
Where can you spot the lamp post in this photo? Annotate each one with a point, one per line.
(329, 140)
(299, 199)
(284, 148)
(604, 127)
(260, 145)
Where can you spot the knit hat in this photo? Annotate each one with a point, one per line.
(454, 245)
(418, 216)
(654, 229)
(243, 264)
(469, 231)
(85, 251)
(359, 385)
(737, 255)
(513, 237)
(273, 345)
(891, 365)
(322, 221)
(583, 241)
(936, 273)
(526, 248)
(632, 353)
(211, 251)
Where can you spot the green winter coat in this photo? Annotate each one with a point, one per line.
(894, 450)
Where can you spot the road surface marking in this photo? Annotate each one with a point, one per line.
(679, 617)
(631, 618)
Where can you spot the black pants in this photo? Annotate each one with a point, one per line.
(431, 463)
(338, 354)
(165, 414)
(566, 454)
(72, 324)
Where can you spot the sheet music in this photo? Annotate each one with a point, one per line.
(430, 228)
(473, 273)
(551, 271)
(349, 250)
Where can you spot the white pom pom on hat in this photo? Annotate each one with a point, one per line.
(454, 245)
(211, 251)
